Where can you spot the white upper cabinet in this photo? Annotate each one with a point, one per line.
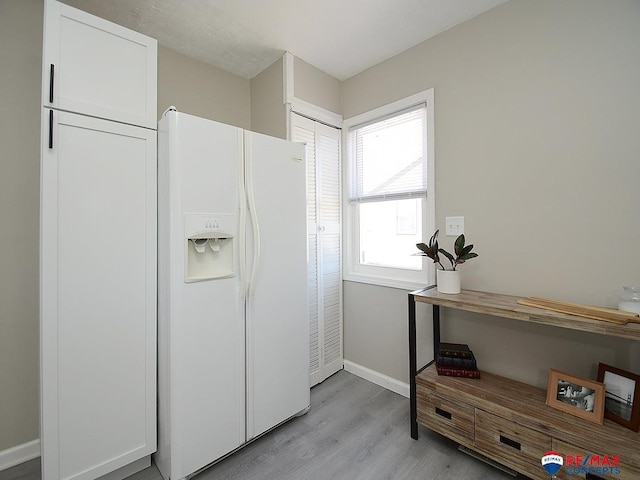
(97, 68)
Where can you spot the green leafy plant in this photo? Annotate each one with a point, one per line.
(462, 252)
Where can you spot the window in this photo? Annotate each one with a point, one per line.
(389, 200)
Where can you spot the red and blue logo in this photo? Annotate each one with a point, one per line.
(552, 462)
(581, 464)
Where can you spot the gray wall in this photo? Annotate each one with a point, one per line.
(20, 80)
(536, 111)
(268, 112)
(199, 89)
(316, 87)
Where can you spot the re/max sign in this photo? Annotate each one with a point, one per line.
(593, 460)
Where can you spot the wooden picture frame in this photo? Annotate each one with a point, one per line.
(622, 395)
(577, 396)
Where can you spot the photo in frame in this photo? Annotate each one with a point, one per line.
(622, 396)
(577, 396)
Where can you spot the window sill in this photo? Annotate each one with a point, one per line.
(385, 282)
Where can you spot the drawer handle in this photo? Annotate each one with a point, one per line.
(443, 413)
(511, 443)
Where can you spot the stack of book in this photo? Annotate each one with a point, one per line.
(456, 360)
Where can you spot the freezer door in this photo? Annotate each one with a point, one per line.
(201, 323)
(277, 326)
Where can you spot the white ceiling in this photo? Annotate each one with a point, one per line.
(340, 37)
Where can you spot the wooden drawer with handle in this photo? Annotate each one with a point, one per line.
(511, 444)
(441, 414)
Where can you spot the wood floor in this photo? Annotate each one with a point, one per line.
(355, 430)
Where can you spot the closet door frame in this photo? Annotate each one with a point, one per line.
(320, 120)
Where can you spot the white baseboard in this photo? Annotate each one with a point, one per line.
(128, 470)
(19, 454)
(378, 378)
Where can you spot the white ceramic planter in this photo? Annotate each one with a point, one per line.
(448, 281)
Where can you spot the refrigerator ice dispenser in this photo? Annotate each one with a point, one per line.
(210, 245)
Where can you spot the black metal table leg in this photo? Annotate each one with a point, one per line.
(436, 330)
(412, 367)
(413, 357)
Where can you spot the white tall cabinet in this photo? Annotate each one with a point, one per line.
(98, 247)
(324, 245)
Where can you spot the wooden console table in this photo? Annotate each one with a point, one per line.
(481, 414)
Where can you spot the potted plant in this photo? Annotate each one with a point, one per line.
(448, 281)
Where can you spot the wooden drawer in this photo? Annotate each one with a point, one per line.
(511, 444)
(441, 414)
(625, 472)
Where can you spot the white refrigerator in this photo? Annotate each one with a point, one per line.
(233, 339)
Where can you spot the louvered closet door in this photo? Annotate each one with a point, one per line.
(324, 231)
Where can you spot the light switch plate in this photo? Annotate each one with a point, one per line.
(454, 226)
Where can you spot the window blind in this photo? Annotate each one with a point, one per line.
(388, 157)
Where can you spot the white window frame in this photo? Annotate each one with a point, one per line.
(353, 270)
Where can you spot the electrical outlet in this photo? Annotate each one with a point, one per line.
(454, 226)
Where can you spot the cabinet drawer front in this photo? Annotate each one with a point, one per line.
(511, 444)
(443, 415)
(621, 472)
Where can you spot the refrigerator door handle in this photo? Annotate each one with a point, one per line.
(254, 220)
(243, 220)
